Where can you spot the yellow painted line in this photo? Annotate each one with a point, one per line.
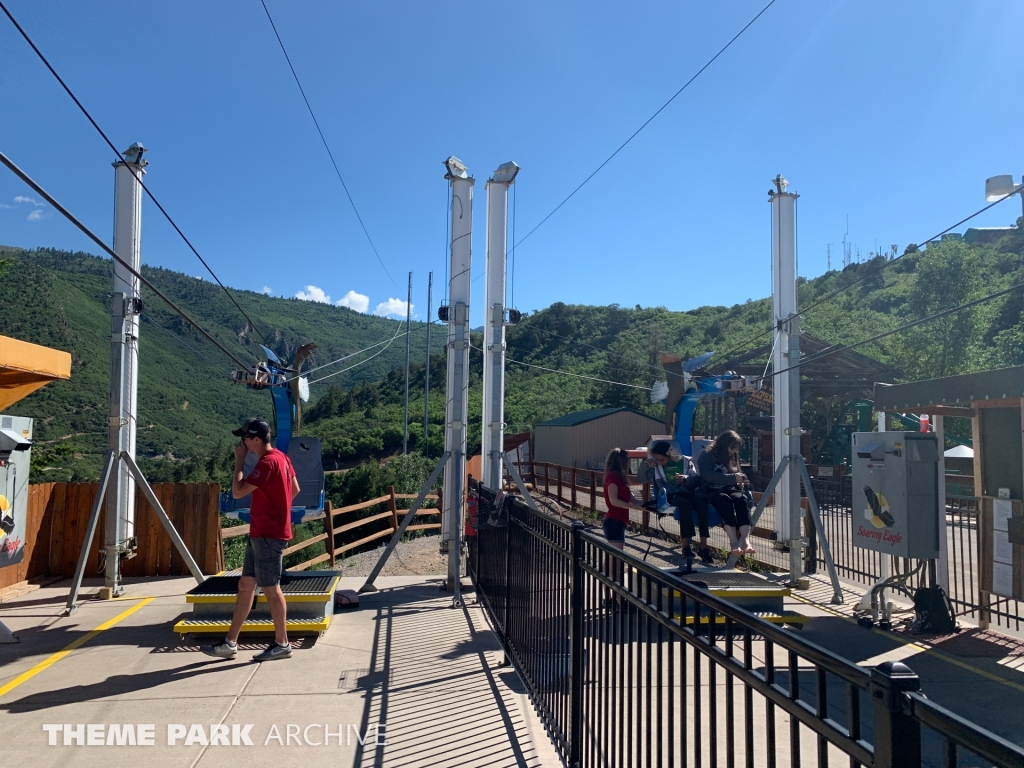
(49, 662)
(921, 647)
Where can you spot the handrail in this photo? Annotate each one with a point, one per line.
(330, 531)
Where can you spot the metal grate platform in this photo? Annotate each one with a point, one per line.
(728, 579)
(304, 625)
(319, 583)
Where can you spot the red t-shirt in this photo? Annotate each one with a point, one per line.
(616, 513)
(270, 513)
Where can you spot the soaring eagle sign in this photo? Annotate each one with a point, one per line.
(878, 509)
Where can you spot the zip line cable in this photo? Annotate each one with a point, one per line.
(879, 269)
(837, 348)
(329, 375)
(646, 123)
(181, 341)
(70, 217)
(137, 176)
(329, 153)
(566, 373)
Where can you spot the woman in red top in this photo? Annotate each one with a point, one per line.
(619, 500)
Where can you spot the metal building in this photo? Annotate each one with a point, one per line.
(583, 439)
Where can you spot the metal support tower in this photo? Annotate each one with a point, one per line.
(786, 386)
(493, 427)
(457, 408)
(124, 361)
(426, 374)
(408, 337)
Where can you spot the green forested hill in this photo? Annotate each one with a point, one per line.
(187, 404)
(620, 344)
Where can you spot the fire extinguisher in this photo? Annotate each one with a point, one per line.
(471, 514)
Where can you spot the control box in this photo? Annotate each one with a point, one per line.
(895, 493)
(15, 457)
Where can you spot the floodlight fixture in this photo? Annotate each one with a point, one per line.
(506, 173)
(998, 187)
(456, 168)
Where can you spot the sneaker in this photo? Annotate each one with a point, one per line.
(224, 650)
(273, 652)
(706, 556)
(688, 553)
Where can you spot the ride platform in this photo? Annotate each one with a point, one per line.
(309, 597)
(751, 591)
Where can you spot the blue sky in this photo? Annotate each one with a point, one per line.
(890, 113)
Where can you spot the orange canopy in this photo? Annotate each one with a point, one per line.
(25, 367)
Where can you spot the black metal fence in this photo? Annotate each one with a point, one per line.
(630, 666)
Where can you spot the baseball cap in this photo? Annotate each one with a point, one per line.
(664, 448)
(253, 428)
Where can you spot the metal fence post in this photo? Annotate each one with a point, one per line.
(576, 648)
(897, 734)
(593, 491)
(506, 643)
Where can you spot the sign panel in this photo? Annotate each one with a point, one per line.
(14, 471)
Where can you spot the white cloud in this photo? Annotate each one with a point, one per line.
(266, 290)
(313, 293)
(392, 307)
(5, 205)
(356, 301)
(23, 199)
(36, 216)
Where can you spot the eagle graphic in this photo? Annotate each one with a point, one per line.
(878, 509)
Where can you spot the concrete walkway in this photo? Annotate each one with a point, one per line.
(405, 661)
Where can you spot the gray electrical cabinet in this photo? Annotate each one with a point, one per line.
(895, 493)
(15, 449)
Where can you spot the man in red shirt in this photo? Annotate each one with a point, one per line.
(273, 485)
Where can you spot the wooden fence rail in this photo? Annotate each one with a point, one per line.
(331, 531)
(57, 516)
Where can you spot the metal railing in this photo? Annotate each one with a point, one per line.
(628, 665)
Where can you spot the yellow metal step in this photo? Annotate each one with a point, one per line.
(787, 617)
(265, 626)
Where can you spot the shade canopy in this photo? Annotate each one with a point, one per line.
(25, 367)
(959, 452)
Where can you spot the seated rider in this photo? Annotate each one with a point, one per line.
(681, 494)
(727, 490)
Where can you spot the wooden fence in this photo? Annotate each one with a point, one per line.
(332, 530)
(58, 516)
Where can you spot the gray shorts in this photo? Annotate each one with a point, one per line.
(264, 561)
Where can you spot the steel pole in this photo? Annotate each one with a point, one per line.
(426, 375)
(457, 406)
(408, 337)
(124, 381)
(786, 386)
(493, 417)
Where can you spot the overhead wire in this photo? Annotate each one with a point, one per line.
(837, 348)
(878, 270)
(645, 124)
(137, 176)
(181, 341)
(110, 251)
(361, 362)
(566, 373)
(324, 140)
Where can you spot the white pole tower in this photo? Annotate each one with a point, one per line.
(124, 363)
(457, 394)
(786, 386)
(493, 428)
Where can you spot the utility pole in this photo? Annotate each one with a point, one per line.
(408, 336)
(493, 428)
(786, 357)
(125, 307)
(457, 317)
(426, 376)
